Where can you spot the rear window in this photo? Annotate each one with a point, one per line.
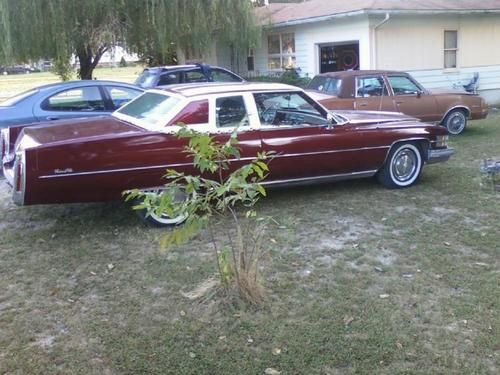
(324, 84)
(149, 108)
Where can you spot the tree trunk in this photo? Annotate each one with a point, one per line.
(88, 61)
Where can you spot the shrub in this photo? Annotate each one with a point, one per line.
(204, 198)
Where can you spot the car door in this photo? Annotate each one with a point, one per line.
(169, 78)
(84, 101)
(412, 99)
(236, 112)
(372, 94)
(306, 144)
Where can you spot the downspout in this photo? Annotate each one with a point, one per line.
(375, 47)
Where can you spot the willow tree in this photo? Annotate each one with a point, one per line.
(162, 28)
(58, 29)
(5, 43)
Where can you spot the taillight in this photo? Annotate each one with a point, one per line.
(19, 176)
(19, 171)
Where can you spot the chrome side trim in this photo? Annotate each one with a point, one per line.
(165, 166)
(319, 179)
(333, 151)
(439, 155)
(169, 166)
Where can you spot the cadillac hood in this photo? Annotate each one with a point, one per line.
(70, 130)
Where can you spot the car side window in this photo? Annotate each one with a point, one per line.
(194, 76)
(121, 95)
(169, 78)
(231, 112)
(370, 86)
(80, 99)
(220, 75)
(402, 85)
(288, 108)
(193, 113)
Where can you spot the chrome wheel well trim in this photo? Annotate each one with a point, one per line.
(423, 154)
(461, 107)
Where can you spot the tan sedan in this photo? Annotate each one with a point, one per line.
(393, 91)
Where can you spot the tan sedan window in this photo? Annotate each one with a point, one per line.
(403, 85)
(370, 86)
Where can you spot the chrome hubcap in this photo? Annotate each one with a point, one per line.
(404, 165)
(456, 123)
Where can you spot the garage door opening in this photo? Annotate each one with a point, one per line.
(338, 56)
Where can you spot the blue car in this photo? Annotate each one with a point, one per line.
(176, 74)
(66, 100)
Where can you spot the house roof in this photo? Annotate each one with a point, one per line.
(283, 14)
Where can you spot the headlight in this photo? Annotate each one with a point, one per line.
(441, 141)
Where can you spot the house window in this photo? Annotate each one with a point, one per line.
(281, 51)
(450, 49)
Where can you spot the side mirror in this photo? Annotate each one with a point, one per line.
(419, 93)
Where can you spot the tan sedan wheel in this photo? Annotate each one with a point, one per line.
(455, 121)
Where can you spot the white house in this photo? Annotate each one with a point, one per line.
(440, 42)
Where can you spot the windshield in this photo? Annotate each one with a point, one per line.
(146, 79)
(324, 84)
(149, 108)
(16, 99)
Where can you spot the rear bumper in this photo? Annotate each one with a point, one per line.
(439, 155)
(15, 176)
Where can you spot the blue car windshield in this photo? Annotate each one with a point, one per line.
(16, 99)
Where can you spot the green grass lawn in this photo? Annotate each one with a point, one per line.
(359, 279)
(11, 85)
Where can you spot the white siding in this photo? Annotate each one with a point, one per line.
(489, 80)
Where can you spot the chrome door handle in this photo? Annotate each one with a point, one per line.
(52, 118)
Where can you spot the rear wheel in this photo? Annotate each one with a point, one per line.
(455, 121)
(402, 168)
(159, 220)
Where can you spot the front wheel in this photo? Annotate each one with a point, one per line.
(402, 168)
(455, 122)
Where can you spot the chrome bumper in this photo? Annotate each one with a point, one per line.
(439, 155)
(16, 182)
